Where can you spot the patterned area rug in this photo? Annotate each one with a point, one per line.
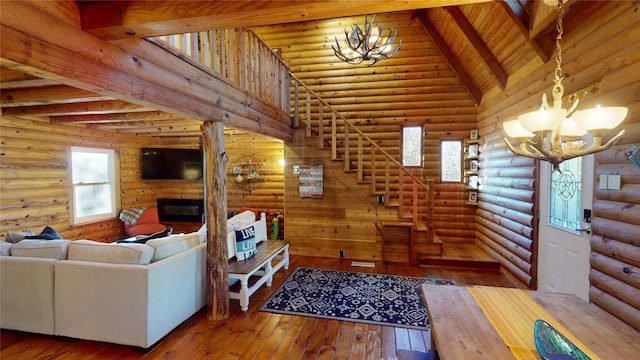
(352, 296)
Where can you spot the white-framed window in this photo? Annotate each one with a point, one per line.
(451, 161)
(412, 145)
(93, 179)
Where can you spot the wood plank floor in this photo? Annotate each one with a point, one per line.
(260, 335)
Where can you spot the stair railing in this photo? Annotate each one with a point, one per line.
(361, 138)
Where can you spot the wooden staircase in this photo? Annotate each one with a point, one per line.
(410, 236)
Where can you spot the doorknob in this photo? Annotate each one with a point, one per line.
(587, 230)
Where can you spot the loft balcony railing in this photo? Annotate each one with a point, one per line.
(240, 58)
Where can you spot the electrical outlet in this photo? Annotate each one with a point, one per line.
(341, 253)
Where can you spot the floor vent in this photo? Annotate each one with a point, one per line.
(362, 264)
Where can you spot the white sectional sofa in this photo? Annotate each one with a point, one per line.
(26, 294)
(130, 294)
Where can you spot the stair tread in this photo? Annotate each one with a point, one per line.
(421, 226)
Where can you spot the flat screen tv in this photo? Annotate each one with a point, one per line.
(171, 164)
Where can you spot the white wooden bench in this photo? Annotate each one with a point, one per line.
(257, 270)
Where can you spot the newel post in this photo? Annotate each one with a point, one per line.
(216, 218)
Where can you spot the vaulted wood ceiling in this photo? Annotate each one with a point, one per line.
(477, 39)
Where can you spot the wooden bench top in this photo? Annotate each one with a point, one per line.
(266, 250)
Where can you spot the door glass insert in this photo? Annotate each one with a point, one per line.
(564, 195)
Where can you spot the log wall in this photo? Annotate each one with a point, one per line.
(34, 185)
(602, 50)
(379, 99)
(34, 177)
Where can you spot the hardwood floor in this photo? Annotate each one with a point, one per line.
(260, 335)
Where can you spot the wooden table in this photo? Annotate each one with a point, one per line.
(460, 329)
(260, 266)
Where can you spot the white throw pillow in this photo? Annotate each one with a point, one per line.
(88, 250)
(17, 236)
(241, 220)
(171, 245)
(54, 249)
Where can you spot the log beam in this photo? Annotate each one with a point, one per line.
(498, 72)
(216, 219)
(448, 55)
(114, 20)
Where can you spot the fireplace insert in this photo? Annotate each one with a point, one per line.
(186, 210)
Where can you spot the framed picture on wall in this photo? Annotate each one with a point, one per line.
(473, 135)
(473, 182)
(473, 165)
(473, 196)
(473, 150)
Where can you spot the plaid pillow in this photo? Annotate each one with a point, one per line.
(130, 216)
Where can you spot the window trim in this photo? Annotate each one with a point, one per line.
(114, 176)
(422, 137)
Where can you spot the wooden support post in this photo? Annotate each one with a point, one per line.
(216, 218)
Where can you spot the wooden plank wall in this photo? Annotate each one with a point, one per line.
(602, 50)
(405, 89)
(340, 220)
(34, 184)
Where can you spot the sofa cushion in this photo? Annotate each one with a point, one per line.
(202, 232)
(54, 249)
(17, 236)
(171, 245)
(5, 248)
(89, 250)
(48, 233)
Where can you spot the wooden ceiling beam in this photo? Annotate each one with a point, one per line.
(522, 18)
(498, 72)
(57, 94)
(15, 79)
(116, 117)
(88, 108)
(449, 56)
(92, 64)
(82, 72)
(152, 126)
(576, 13)
(112, 20)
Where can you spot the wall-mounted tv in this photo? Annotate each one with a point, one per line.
(171, 164)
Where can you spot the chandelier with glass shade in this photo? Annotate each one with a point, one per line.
(368, 44)
(555, 134)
